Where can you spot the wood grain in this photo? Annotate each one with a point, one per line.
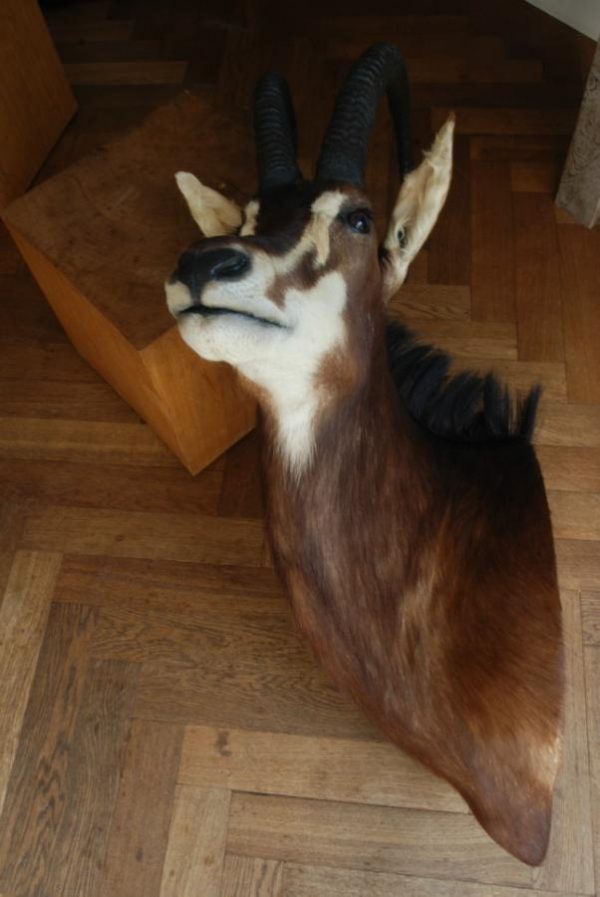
(450, 242)
(569, 862)
(570, 468)
(578, 564)
(521, 376)
(252, 877)
(116, 486)
(538, 291)
(534, 177)
(590, 614)
(469, 339)
(357, 836)
(579, 249)
(37, 794)
(91, 781)
(130, 72)
(284, 692)
(187, 590)
(318, 881)
(194, 861)
(492, 283)
(568, 425)
(89, 441)
(36, 101)
(141, 817)
(320, 768)
(592, 675)
(185, 537)
(575, 515)
(425, 300)
(23, 615)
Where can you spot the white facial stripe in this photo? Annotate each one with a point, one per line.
(251, 213)
(324, 210)
(328, 204)
(288, 375)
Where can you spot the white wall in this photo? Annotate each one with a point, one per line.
(583, 15)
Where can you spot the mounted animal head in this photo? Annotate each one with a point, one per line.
(298, 277)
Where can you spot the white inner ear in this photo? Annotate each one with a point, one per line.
(420, 200)
(214, 214)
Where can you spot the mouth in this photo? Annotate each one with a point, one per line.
(210, 311)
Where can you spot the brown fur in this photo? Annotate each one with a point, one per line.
(424, 580)
(422, 573)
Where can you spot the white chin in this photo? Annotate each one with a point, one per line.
(228, 338)
(205, 336)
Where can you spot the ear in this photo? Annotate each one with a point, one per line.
(214, 214)
(420, 201)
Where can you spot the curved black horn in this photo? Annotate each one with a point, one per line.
(275, 128)
(344, 151)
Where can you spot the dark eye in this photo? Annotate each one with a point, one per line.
(360, 221)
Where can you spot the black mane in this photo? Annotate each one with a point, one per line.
(464, 407)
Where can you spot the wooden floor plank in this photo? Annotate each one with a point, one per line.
(535, 177)
(241, 490)
(200, 641)
(382, 839)
(521, 376)
(68, 401)
(186, 590)
(509, 120)
(252, 877)
(114, 486)
(424, 300)
(450, 242)
(285, 692)
(492, 283)
(575, 515)
(23, 615)
(37, 796)
(183, 537)
(538, 290)
(468, 339)
(592, 675)
(92, 442)
(194, 862)
(569, 425)
(569, 862)
(590, 613)
(578, 564)
(323, 881)
(43, 359)
(160, 71)
(570, 468)
(324, 768)
(141, 817)
(579, 252)
(92, 781)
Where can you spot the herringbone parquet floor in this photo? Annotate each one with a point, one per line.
(165, 733)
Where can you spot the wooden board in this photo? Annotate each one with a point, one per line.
(122, 204)
(36, 101)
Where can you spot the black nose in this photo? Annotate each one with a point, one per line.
(197, 267)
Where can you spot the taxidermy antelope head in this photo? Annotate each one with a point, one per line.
(406, 510)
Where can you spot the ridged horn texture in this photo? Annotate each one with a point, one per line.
(344, 151)
(275, 129)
